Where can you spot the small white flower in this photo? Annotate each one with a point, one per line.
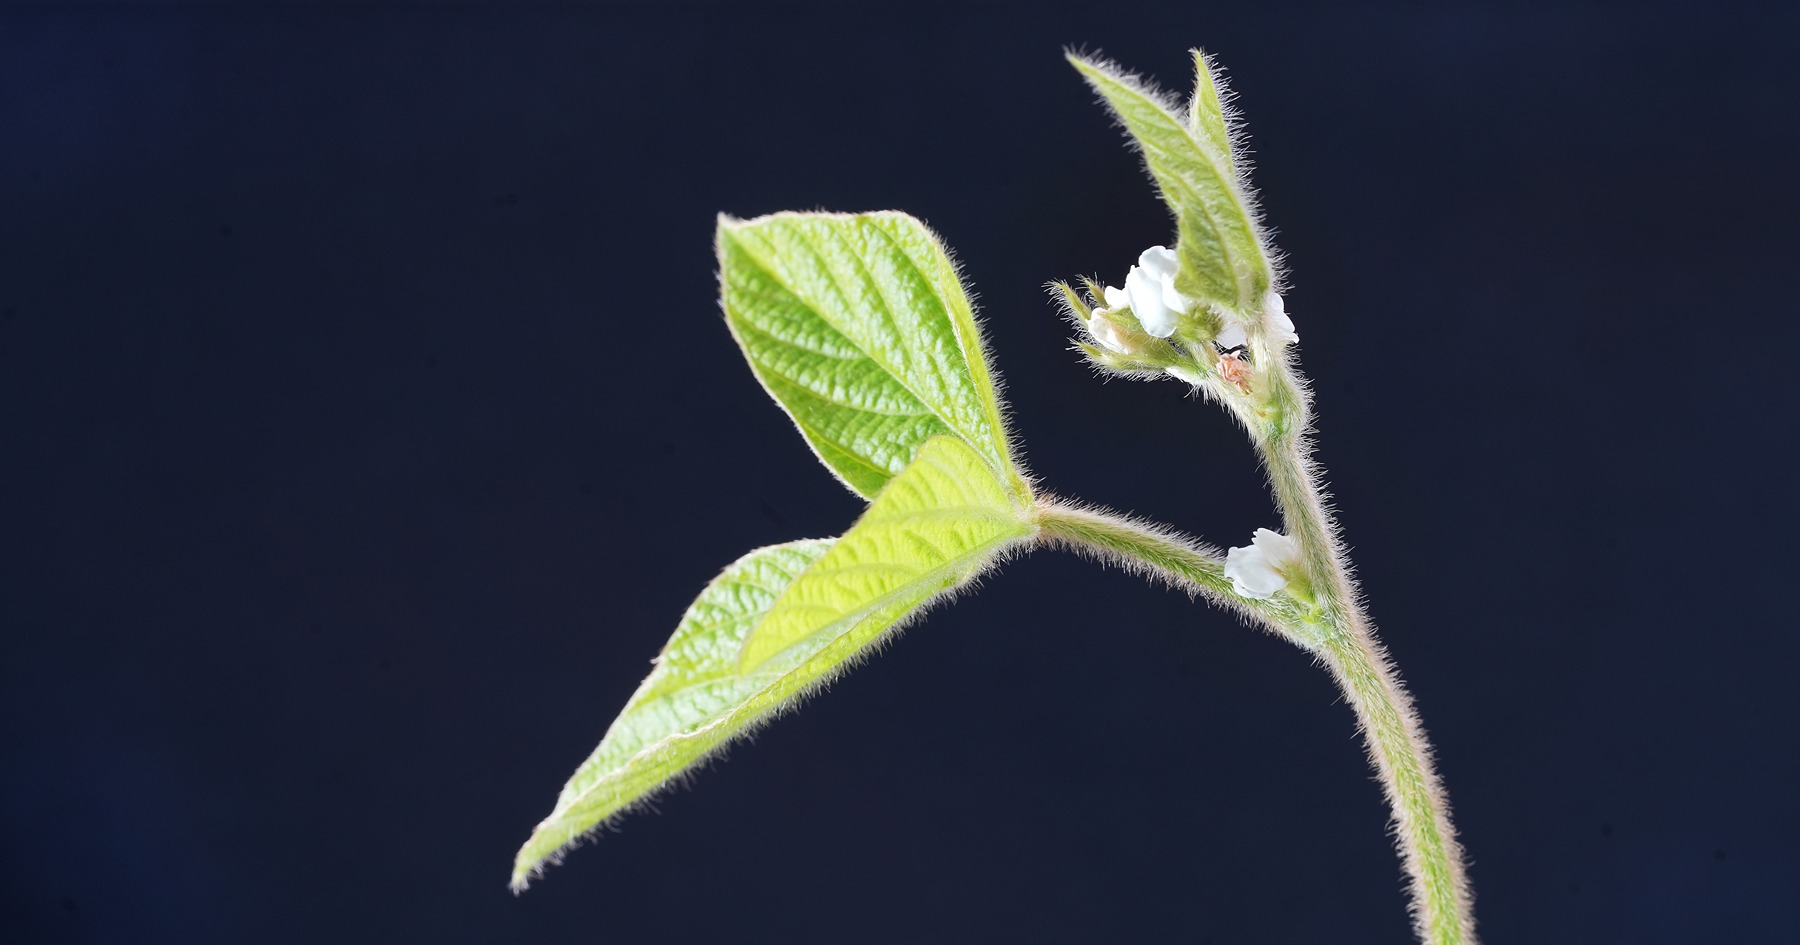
(1150, 285)
(1260, 571)
(1108, 333)
(1275, 321)
(1232, 335)
(1103, 323)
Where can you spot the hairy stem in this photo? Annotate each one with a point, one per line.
(1329, 623)
(1398, 749)
(1139, 546)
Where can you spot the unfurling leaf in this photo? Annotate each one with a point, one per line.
(782, 621)
(1206, 113)
(1222, 259)
(858, 327)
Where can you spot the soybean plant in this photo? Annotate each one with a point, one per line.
(860, 328)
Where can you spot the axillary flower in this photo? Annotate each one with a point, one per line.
(1275, 321)
(1261, 570)
(1109, 333)
(1150, 293)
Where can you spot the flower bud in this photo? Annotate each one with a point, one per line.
(1110, 334)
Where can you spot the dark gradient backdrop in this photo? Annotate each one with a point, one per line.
(368, 421)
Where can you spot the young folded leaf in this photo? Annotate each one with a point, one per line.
(1222, 257)
(858, 326)
(807, 614)
(1207, 115)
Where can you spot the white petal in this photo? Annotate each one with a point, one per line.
(1251, 575)
(1232, 335)
(1280, 550)
(1175, 300)
(1276, 320)
(1161, 262)
(1108, 334)
(1147, 303)
(1116, 298)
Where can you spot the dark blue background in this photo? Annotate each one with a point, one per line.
(368, 421)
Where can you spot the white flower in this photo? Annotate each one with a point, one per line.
(1150, 286)
(1150, 293)
(1115, 299)
(1260, 571)
(1275, 321)
(1108, 333)
(1232, 335)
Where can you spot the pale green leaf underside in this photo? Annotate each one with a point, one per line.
(860, 329)
(693, 700)
(1221, 259)
(821, 603)
(936, 525)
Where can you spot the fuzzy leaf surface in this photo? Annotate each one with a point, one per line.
(935, 526)
(1206, 113)
(693, 701)
(1221, 259)
(780, 622)
(859, 327)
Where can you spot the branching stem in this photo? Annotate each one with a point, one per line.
(1139, 546)
(1397, 746)
(1332, 625)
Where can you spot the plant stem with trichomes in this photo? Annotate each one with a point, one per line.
(1398, 748)
(1332, 625)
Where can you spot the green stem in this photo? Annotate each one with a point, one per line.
(1396, 742)
(1139, 546)
(1330, 624)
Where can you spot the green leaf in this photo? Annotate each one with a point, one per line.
(690, 704)
(815, 606)
(1222, 260)
(935, 526)
(1206, 113)
(858, 327)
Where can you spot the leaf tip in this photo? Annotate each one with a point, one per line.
(522, 874)
(535, 856)
(1091, 67)
(725, 225)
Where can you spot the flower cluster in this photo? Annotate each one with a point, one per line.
(1152, 299)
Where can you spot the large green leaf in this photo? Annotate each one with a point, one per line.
(935, 526)
(858, 326)
(813, 610)
(1222, 260)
